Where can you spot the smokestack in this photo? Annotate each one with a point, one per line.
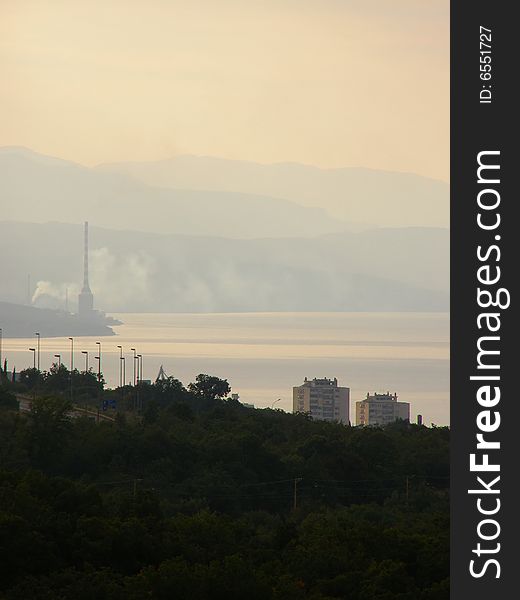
(85, 299)
(86, 287)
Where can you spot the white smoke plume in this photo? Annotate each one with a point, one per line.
(118, 282)
(121, 280)
(55, 295)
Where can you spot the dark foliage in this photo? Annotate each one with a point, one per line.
(195, 499)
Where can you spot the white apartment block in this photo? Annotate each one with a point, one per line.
(322, 399)
(381, 409)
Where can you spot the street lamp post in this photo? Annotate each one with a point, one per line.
(120, 366)
(58, 356)
(1, 334)
(71, 354)
(124, 370)
(135, 356)
(100, 393)
(85, 352)
(71, 365)
(38, 346)
(139, 358)
(136, 379)
(98, 357)
(33, 350)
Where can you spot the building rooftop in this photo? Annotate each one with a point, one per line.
(320, 382)
(375, 397)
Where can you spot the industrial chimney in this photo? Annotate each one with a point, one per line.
(85, 298)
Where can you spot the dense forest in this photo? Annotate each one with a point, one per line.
(186, 493)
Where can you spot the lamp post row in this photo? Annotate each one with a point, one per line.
(137, 363)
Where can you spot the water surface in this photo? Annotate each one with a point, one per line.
(263, 355)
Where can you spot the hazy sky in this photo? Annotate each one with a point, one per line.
(324, 82)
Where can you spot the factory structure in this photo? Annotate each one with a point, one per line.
(325, 400)
(86, 297)
(86, 311)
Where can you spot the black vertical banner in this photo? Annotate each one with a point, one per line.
(485, 406)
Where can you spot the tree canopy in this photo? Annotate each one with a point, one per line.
(201, 497)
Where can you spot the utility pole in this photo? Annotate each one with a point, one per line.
(295, 496)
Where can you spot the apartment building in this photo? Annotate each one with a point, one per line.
(323, 399)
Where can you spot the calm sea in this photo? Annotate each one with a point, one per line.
(263, 355)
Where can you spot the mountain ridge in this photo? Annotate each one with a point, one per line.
(359, 194)
(65, 191)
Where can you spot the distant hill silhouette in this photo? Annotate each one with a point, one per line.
(196, 234)
(208, 196)
(378, 270)
(366, 196)
(41, 188)
(22, 321)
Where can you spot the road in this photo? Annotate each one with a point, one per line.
(25, 404)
